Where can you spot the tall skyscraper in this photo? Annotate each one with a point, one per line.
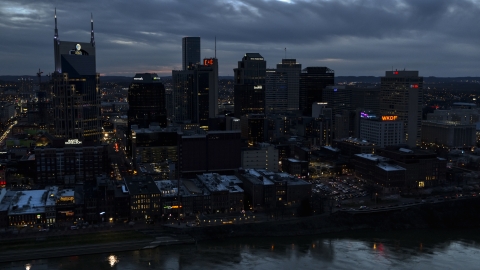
(401, 96)
(249, 85)
(146, 103)
(183, 91)
(195, 93)
(76, 99)
(312, 82)
(276, 91)
(339, 99)
(292, 69)
(206, 85)
(190, 52)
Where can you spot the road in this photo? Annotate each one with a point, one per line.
(7, 131)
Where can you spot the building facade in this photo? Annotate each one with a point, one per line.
(264, 156)
(312, 82)
(382, 131)
(146, 103)
(448, 134)
(190, 52)
(401, 95)
(76, 99)
(249, 85)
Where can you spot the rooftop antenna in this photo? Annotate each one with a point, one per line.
(92, 38)
(39, 75)
(285, 53)
(215, 47)
(56, 30)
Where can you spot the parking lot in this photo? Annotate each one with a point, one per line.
(340, 188)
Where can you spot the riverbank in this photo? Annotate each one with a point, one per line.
(446, 215)
(449, 214)
(75, 245)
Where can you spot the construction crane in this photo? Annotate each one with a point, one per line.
(39, 75)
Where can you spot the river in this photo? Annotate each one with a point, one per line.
(439, 249)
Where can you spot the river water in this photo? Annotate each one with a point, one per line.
(458, 249)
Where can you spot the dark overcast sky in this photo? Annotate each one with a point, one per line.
(353, 37)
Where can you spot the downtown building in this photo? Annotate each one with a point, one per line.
(74, 154)
(448, 134)
(66, 163)
(195, 94)
(262, 156)
(190, 52)
(195, 87)
(276, 92)
(312, 82)
(338, 98)
(155, 151)
(401, 96)
(282, 87)
(249, 85)
(266, 190)
(76, 95)
(208, 152)
(146, 104)
(382, 131)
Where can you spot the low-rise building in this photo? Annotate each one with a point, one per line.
(145, 198)
(295, 167)
(264, 156)
(379, 171)
(423, 168)
(27, 208)
(448, 134)
(226, 195)
(269, 190)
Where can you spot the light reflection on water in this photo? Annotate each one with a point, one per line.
(358, 250)
(112, 260)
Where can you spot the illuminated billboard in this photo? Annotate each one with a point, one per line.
(389, 117)
(208, 62)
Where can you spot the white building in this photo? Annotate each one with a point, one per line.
(382, 131)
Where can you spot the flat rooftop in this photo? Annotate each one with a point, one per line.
(372, 157)
(390, 167)
(28, 202)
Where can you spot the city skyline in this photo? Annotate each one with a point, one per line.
(359, 38)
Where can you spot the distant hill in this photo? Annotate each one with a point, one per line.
(348, 79)
(358, 79)
(431, 79)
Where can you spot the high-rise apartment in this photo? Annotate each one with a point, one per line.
(190, 52)
(312, 82)
(249, 85)
(401, 96)
(76, 99)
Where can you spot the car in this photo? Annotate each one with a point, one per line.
(43, 230)
(73, 228)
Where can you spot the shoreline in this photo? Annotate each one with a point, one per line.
(449, 215)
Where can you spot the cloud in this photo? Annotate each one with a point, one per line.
(353, 37)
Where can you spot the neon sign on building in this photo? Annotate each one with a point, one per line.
(389, 117)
